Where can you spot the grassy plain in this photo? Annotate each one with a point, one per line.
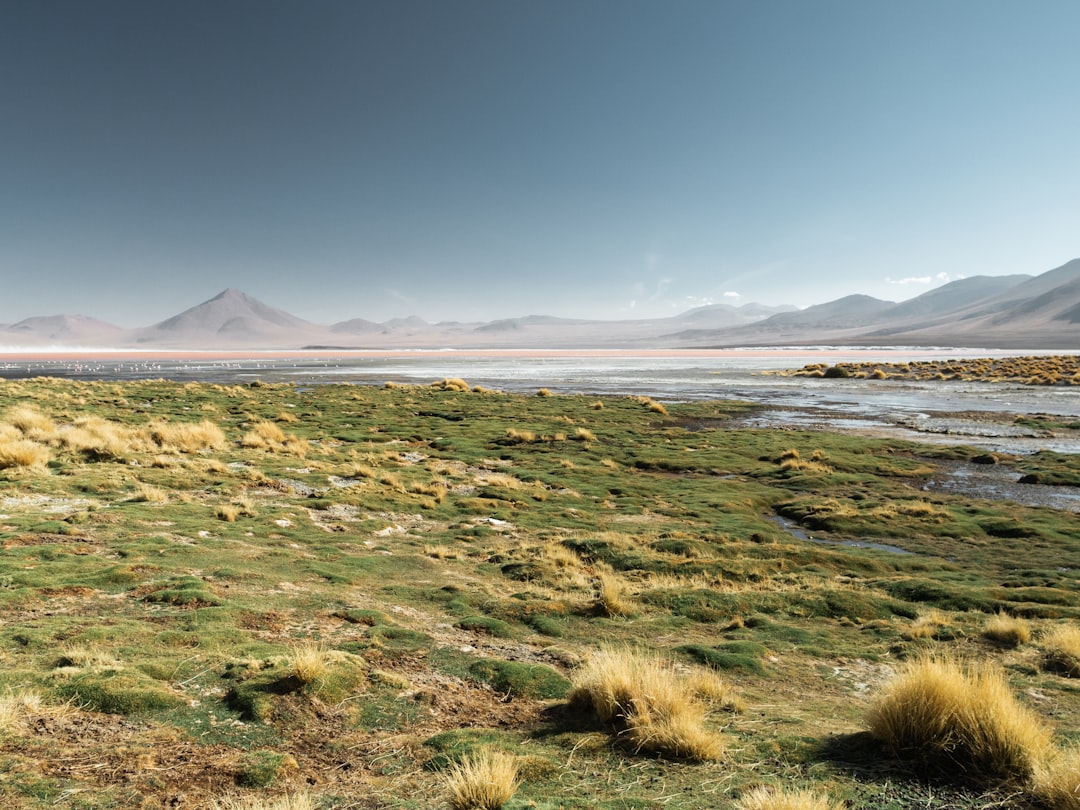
(342, 597)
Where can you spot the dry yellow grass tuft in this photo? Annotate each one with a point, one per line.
(1005, 629)
(23, 453)
(709, 685)
(296, 801)
(147, 493)
(652, 405)
(1056, 782)
(31, 422)
(764, 798)
(100, 438)
(611, 600)
(652, 708)
(483, 781)
(15, 707)
(228, 512)
(947, 715)
(928, 625)
(309, 661)
(520, 436)
(451, 384)
(266, 435)
(1061, 649)
(188, 437)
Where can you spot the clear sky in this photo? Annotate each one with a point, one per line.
(475, 159)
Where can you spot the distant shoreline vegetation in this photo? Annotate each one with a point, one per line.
(1058, 369)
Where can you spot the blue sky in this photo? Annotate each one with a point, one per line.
(465, 160)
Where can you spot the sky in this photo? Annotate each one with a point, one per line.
(479, 159)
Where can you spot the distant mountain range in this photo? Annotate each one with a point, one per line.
(1008, 312)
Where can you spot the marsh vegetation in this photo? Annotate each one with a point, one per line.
(427, 596)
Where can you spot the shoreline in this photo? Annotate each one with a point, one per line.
(60, 355)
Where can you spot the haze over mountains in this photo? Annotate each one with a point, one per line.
(1007, 312)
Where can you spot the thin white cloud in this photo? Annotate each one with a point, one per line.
(940, 278)
(399, 295)
(732, 294)
(691, 302)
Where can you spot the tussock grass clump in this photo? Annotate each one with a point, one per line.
(451, 384)
(31, 422)
(99, 438)
(23, 453)
(227, 512)
(482, 781)
(945, 715)
(583, 435)
(188, 437)
(1009, 630)
(296, 801)
(1061, 650)
(1056, 782)
(147, 493)
(15, 707)
(764, 798)
(652, 405)
(612, 597)
(515, 436)
(650, 706)
(309, 662)
(266, 435)
(932, 624)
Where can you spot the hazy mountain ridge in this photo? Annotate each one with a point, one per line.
(1016, 311)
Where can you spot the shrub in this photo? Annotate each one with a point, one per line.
(1061, 650)
(483, 781)
(763, 798)
(1005, 629)
(650, 706)
(944, 716)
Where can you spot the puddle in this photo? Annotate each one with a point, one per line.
(793, 529)
(998, 482)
